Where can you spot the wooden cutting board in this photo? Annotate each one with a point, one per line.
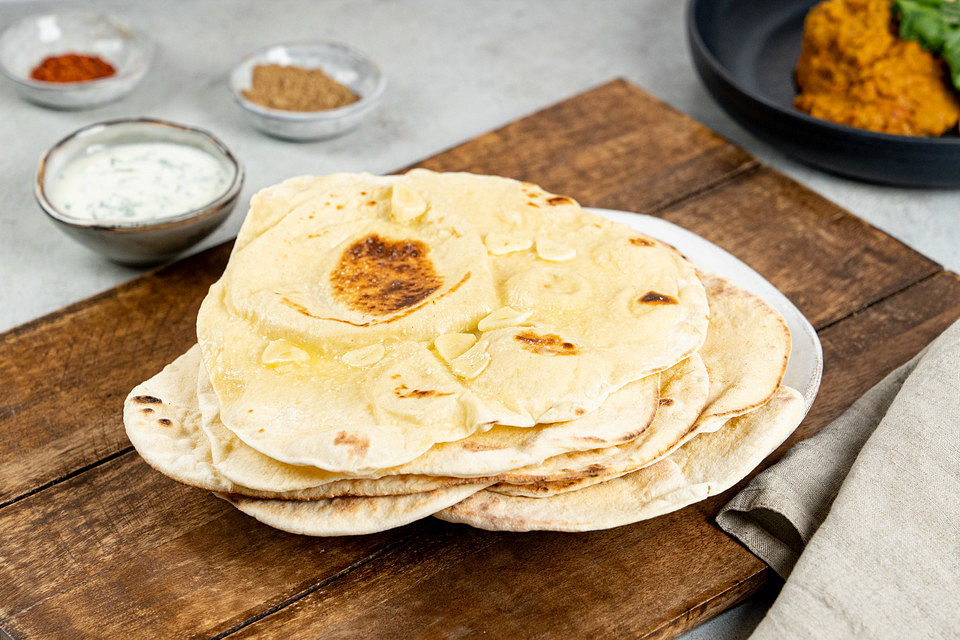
(94, 543)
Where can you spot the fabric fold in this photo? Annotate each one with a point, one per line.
(863, 518)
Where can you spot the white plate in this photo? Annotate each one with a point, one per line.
(806, 355)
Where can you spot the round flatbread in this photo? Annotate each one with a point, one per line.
(162, 419)
(321, 337)
(746, 352)
(625, 415)
(350, 516)
(745, 356)
(167, 425)
(705, 466)
(683, 395)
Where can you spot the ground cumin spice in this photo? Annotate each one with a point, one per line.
(72, 67)
(297, 89)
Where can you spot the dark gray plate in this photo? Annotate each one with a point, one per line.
(745, 52)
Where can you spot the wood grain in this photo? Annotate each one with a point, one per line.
(827, 261)
(66, 374)
(121, 533)
(96, 544)
(122, 551)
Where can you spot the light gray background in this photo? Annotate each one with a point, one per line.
(455, 69)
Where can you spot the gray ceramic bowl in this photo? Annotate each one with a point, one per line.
(25, 43)
(345, 65)
(139, 242)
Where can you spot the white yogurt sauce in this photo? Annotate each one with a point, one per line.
(138, 181)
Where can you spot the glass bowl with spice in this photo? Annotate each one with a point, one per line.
(73, 60)
(307, 91)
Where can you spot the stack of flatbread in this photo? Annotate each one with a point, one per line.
(382, 349)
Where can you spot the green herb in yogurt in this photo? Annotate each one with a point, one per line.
(139, 181)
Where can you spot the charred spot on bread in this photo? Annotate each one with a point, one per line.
(380, 276)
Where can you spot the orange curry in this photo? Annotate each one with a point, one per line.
(856, 71)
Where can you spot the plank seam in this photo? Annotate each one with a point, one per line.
(746, 168)
(884, 298)
(65, 477)
(80, 305)
(306, 592)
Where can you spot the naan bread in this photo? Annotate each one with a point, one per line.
(626, 414)
(158, 415)
(746, 351)
(705, 466)
(380, 349)
(162, 419)
(320, 337)
(168, 423)
(683, 393)
(351, 516)
(745, 356)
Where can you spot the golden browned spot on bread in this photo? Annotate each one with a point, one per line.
(666, 402)
(641, 242)
(147, 400)
(690, 430)
(403, 391)
(652, 297)
(370, 203)
(339, 206)
(299, 308)
(146, 410)
(346, 504)
(594, 470)
(380, 276)
(541, 487)
(555, 201)
(633, 435)
(476, 446)
(549, 344)
(546, 486)
(166, 422)
(534, 204)
(578, 411)
(358, 445)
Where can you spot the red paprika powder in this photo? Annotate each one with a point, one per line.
(72, 67)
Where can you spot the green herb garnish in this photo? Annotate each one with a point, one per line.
(935, 24)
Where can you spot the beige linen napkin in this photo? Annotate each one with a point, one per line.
(863, 519)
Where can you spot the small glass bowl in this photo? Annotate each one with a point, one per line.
(342, 63)
(137, 242)
(26, 43)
